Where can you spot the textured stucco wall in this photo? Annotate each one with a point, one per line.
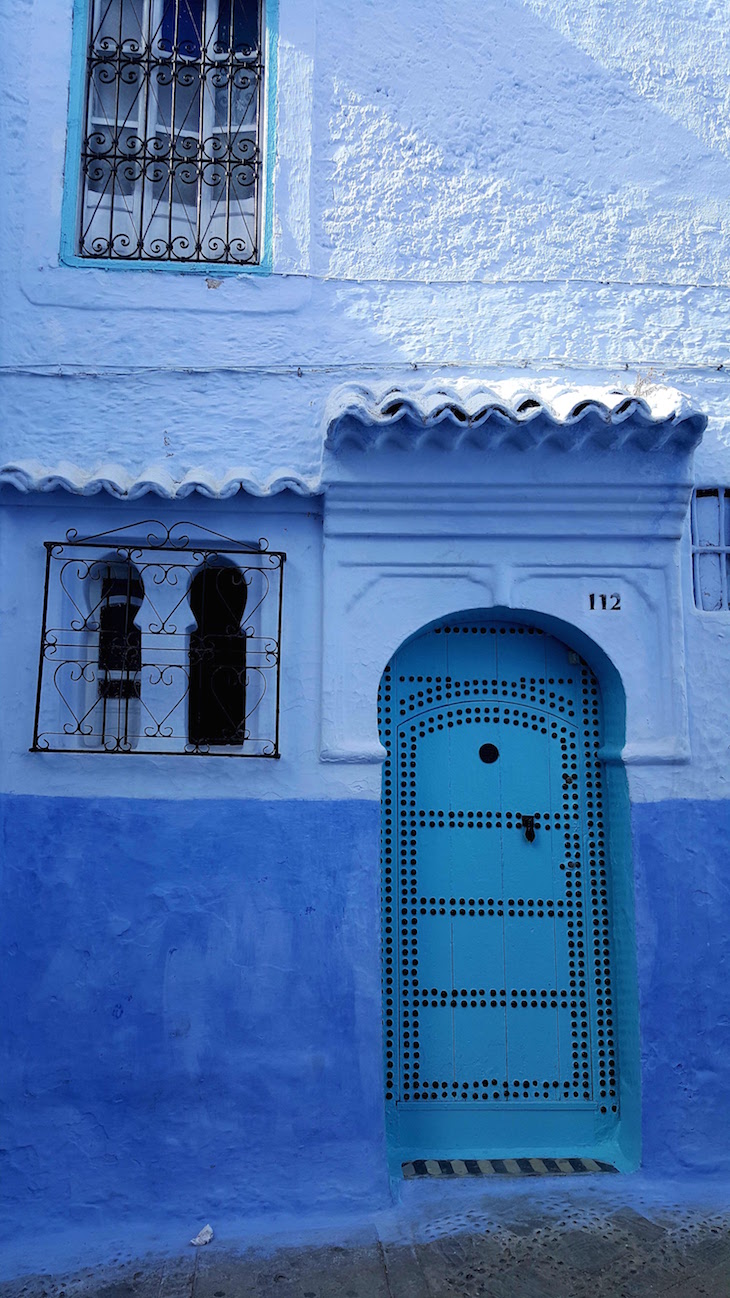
(700, 663)
(511, 184)
(513, 188)
(683, 949)
(236, 903)
(193, 1009)
(293, 526)
(192, 1023)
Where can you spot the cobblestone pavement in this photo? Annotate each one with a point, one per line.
(562, 1248)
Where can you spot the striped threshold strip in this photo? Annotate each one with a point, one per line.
(503, 1167)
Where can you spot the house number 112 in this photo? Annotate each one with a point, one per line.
(602, 602)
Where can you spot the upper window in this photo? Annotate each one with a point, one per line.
(171, 153)
(711, 547)
(163, 640)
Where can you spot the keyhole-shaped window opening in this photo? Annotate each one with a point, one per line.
(217, 697)
(119, 658)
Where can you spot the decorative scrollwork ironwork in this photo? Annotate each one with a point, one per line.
(171, 159)
(160, 639)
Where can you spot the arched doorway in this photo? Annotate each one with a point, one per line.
(500, 998)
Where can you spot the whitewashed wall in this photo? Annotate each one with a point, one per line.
(483, 186)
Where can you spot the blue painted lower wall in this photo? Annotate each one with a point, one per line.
(192, 1004)
(192, 1008)
(682, 872)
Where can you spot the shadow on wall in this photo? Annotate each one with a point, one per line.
(508, 151)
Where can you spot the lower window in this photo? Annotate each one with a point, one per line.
(160, 641)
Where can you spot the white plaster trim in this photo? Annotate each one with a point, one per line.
(389, 571)
(367, 753)
(31, 475)
(511, 413)
(668, 752)
(463, 414)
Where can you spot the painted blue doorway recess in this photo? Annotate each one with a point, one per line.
(499, 996)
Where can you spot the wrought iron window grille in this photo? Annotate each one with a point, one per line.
(171, 156)
(711, 548)
(160, 639)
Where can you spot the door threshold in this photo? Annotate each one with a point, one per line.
(462, 1167)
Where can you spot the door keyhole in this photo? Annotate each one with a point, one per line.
(528, 824)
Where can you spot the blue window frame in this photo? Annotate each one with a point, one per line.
(169, 144)
(711, 548)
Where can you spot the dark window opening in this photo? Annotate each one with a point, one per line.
(182, 28)
(235, 27)
(238, 25)
(120, 650)
(217, 698)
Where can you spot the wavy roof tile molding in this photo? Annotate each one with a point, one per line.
(463, 413)
(30, 475)
(512, 414)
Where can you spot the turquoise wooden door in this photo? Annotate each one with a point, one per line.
(498, 999)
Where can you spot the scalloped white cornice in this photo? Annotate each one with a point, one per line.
(30, 475)
(463, 414)
(511, 414)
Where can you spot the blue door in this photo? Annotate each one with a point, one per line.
(498, 999)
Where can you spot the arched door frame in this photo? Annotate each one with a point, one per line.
(624, 1151)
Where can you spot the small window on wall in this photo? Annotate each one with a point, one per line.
(711, 548)
(119, 660)
(217, 698)
(171, 152)
(160, 640)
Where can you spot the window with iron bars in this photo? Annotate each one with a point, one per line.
(160, 642)
(171, 163)
(711, 548)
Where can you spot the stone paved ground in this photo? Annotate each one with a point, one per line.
(552, 1244)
